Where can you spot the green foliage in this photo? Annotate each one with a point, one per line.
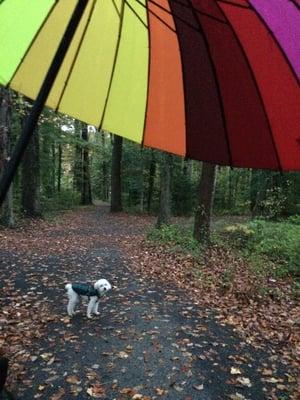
(64, 200)
(239, 234)
(274, 205)
(294, 219)
(177, 237)
(184, 187)
(268, 244)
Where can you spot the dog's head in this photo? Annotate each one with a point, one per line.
(102, 286)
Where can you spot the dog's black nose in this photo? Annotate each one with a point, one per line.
(105, 288)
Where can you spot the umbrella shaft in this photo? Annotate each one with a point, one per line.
(31, 121)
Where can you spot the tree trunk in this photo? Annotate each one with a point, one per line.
(86, 194)
(6, 212)
(30, 177)
(105, 177)
(230, 190)
(164, 214)
(116, 184)
(152, 170)
(59, 171)
(77, 168)
(204, 210)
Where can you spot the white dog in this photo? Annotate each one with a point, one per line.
(93, 292)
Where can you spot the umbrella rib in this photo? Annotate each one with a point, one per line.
(122, 10)
(136, 14)
(116, 8)
(233, 4)
(257, 88)
(32, 41)
(75, 56)
(276, 41)
(174, 15)
(155, 15)
(216, 80)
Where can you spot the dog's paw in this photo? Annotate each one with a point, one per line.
(89, 316)
(96, 313)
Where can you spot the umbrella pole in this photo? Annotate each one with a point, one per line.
(31, 121)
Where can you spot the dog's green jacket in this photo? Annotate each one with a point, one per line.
(85, 289)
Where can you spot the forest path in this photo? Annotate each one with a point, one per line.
(150, 341)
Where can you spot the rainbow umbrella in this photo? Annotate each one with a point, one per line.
(213, 80)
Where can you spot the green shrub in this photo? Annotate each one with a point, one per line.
(239, 234)
(294, 219)
(175, 235)
(261, 240)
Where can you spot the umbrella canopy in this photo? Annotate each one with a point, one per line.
(213, 80)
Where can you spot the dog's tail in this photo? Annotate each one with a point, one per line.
(68, 286)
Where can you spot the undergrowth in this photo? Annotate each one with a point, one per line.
(178, 238)
(271, 249)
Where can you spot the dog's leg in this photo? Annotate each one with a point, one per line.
(70, 308)
(95, 310)
(73, 300)
(91, 306)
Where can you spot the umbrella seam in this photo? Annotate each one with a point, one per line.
(182, 74)
(216, 81)
(258, 91)
(295, 4)
(148, 81)
(276, 41)
(75, 56)
(32, 41)
(121, 15)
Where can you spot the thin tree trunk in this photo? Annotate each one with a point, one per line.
(53, 170)
(6, 212)
(30, 177)
(164, 214)
(86, 194)
(77, 168)
(152, 170)
(104, 167)
(116, 184)
(230, 189)
(59, 171)
(30, 198)
(203, 214)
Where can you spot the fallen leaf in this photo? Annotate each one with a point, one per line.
(161, 392)
(73, 379)
(96, 391)
(123, 354)
(58, 395)
(237, 396)
(235, 371)
(137, 396)
(198, 387)
(244, 381)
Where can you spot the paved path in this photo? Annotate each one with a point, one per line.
(150, 341)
